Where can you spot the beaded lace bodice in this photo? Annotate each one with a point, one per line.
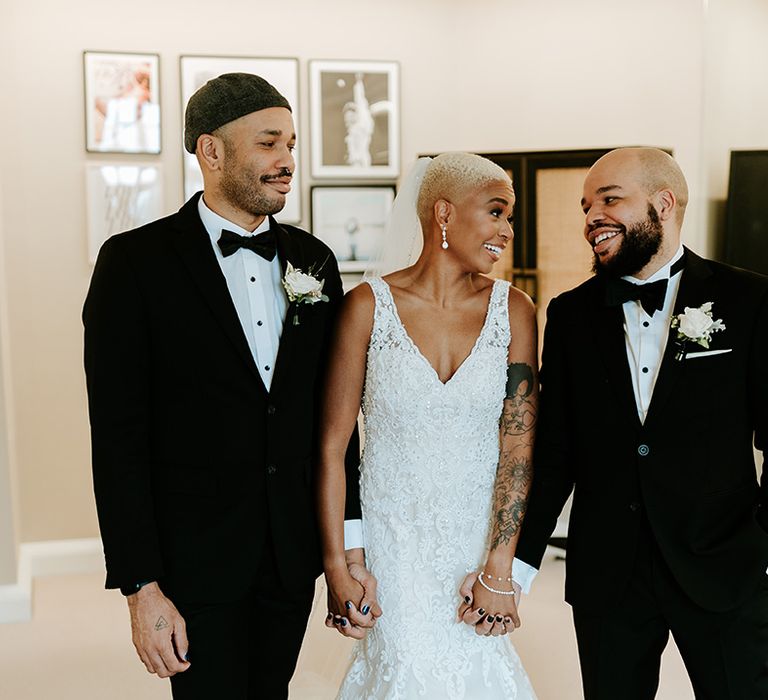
(426, 478)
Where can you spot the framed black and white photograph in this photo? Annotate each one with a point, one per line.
(355, 118)
(120, 197)
(283, 73)
(352, 220)
(122, 102)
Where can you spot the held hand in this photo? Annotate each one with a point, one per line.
(343, 595)
(489, 613)
(503, 617)
(369, 602)
(158, 632)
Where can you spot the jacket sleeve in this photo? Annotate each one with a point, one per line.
(758, 386)
(118, 375)
(552, 466)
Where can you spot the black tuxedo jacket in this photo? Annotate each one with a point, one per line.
(689, 470)
(196, 466)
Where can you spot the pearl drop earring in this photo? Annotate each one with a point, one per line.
(444, 244)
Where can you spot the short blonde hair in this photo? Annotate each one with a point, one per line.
(450, 175)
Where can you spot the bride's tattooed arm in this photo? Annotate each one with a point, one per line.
(491, 588)
(513, 478)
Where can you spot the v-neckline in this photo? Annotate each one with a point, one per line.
(421, 355)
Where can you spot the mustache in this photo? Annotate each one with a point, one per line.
(284, 172)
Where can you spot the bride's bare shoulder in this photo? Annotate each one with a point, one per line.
(359, 299)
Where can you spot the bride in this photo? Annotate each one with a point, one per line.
(443, 360)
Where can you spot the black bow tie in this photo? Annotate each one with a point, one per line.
(264, 244)
(651, 295)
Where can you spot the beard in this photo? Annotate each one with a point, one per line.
(244, 188)
(641, 241)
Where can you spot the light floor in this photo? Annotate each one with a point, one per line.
(78, 648)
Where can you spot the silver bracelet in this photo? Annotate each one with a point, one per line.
(493, 590)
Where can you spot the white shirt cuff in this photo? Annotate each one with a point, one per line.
(353, 534)
(523, 574)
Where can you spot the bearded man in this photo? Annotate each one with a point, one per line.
(206, 335)
(654, 385)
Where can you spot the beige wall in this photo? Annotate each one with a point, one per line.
(8, 544)
(735, 95)
(491, 75)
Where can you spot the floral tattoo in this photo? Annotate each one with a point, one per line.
(515, 472)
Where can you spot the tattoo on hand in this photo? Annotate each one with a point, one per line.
(161, 624)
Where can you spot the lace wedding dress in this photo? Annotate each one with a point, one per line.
(427, 477)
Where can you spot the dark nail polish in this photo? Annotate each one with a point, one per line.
(348, 604)
(186, 656)
(343, 621)
(330, 615)
(481, 612)
(366, 609)
(489, 618)
(467, 599)
(498, 618)
(336, 619)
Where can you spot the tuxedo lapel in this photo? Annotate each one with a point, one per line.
(612, 349)
(692, 292)
(288, 251)
(193, 245)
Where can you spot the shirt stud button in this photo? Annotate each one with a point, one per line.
(267, 367)
(646, 324)
(645, 370)
(253, 279)
(259, 323)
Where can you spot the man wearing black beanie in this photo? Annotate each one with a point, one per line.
(204, 353)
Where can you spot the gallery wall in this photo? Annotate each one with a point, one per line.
(491, 75)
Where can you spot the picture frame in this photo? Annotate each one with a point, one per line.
(351, 220)
(122, 102)
(355, 119)
(283, 73)
(120, 196)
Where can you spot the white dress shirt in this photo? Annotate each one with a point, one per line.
(646, 340)
(256, 290)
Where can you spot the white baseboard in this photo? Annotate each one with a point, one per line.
(50, 558)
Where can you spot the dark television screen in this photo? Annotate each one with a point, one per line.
(746, 230)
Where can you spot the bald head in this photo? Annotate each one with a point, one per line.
(654, 169)
(451, 176)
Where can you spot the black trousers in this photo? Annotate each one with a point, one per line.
(245, 649)
(725, 654)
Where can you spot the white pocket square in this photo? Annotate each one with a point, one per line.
(705, 353)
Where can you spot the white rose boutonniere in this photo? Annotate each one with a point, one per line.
(696, 326)
(302, 288)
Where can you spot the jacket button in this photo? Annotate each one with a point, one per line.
(634, 507)
(271, 469)
(643, 450)
(271, 410)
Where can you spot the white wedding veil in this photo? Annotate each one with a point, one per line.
(403, 240)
